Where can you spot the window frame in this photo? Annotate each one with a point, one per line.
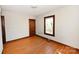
(53, 18)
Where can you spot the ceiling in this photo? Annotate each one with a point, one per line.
(30, 9)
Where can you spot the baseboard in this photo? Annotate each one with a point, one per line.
(41, 36)
(17, 39)
(56, 42)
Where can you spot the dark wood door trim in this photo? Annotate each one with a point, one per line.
(29, 25)
(3, 29)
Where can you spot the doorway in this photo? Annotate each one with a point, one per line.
(32, 27)
(3, 29)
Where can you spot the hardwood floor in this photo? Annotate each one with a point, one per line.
(37, 45)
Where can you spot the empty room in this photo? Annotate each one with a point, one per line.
(39, 29)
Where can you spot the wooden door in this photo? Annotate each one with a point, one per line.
(3, 29)
(32, 27)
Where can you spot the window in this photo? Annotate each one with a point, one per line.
(49, 25)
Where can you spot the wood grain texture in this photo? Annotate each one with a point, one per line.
(32, 27)
(37, 45)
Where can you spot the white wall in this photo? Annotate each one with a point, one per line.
(1, 44)
(66, 27)
(17, 25)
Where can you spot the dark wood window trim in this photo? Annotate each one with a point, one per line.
(53, 18)
(3, 29)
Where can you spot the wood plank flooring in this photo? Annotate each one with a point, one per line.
(37, 45)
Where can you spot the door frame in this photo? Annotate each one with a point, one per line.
(3, 29)
(29, 26)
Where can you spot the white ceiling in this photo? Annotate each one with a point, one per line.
(26, 9)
